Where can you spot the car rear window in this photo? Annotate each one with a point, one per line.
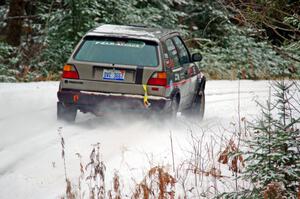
(118, 51)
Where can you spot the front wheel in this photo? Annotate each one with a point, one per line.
(66, 113)
(199, 106)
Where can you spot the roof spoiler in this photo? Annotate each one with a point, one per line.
(139, 25)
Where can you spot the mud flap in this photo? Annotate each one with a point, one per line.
(66, 113)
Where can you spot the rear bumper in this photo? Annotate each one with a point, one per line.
(102, 102)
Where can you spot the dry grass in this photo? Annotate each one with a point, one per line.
(116, 192)
(69, 192)
(273, 190)
(198, 176)
(235, 162)
(96, 177)
(157, 184)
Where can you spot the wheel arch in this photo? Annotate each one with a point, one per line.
(176, 94)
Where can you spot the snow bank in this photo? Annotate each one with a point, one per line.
(30, 150)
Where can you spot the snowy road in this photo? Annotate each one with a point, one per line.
(30, 150)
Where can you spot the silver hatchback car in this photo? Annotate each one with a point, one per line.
(131, 67)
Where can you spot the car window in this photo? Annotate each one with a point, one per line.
(173, 55)
(183, 52)
(118, 51)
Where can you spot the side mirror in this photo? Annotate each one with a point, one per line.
(196, 57)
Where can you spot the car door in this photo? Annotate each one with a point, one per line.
(178, 72)
(189, 68)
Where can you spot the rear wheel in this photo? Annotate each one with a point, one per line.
(66, 113)
(174, 107)
(199, 106)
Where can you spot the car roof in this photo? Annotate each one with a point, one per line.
(131, 31)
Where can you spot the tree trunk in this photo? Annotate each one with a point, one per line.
(2, 2)
(14, 32)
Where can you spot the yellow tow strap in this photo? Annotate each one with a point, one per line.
(146, 103)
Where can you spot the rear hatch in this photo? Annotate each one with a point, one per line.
(115, 65)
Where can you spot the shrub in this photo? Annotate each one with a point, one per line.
(273, 159)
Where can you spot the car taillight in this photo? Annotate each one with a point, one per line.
(158, 79)
(70, 72)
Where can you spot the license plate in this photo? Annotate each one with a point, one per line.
(118, 75)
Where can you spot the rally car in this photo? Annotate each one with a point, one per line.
(131, 67)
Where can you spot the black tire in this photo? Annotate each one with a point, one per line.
(199, 107)
(174, 107)
(66, 113)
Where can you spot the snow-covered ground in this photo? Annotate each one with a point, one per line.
(30, 151)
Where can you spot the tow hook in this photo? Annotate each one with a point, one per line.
(147, 104)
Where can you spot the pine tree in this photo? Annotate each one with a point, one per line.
(273, 159)
(276, 154)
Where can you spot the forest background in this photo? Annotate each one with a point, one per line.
(239, 39)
